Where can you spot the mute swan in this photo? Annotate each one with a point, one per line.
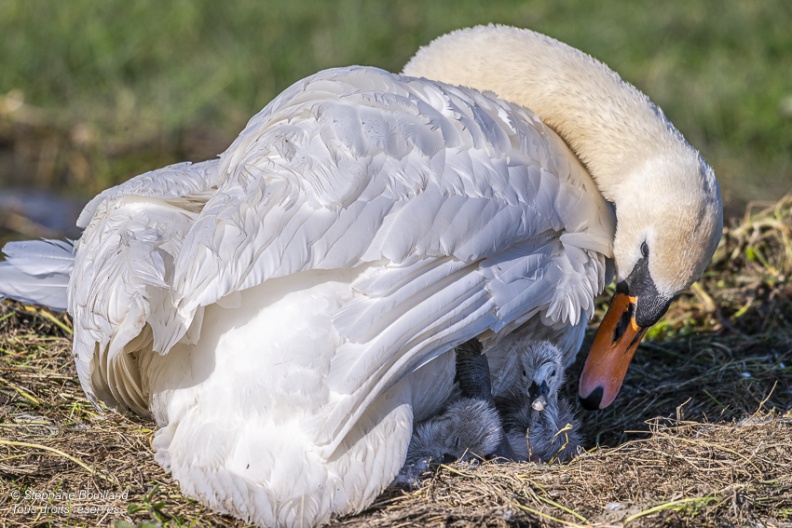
(534, 416)
(288, 311)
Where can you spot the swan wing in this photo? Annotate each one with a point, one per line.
(466, 211)
(356, 165)
(404, 216)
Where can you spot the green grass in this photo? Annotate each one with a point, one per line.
(130, 86)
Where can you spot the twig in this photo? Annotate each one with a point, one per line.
(21, 392)
(77, 461)
(672, 505)
(49, 317)
(546, 516)
(562, 507)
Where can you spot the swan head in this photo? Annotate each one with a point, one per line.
(669, 222)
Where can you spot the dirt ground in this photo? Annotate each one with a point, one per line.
(701, 434)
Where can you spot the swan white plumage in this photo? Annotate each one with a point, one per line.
(667, 199)
(287, 312)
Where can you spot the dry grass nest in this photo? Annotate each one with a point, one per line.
(701, 434)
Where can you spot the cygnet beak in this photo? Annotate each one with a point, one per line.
(538, 394)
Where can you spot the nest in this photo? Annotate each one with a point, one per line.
(699, 436)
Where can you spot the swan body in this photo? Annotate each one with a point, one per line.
(288, 311)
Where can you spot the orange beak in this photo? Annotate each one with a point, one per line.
(613, 349)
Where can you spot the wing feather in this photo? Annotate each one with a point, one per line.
(41, 257)
(452, 203)
(37, 272)
(451, 196)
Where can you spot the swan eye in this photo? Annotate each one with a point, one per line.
(645, 249)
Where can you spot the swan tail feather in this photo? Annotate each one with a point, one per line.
(37, 272)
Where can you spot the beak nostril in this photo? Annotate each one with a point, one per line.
(624, 322)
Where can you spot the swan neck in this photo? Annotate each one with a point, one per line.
(609, 125)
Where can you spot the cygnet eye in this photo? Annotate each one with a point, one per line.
(553, 373)
(645, 249)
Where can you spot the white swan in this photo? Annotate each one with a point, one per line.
(286, 312)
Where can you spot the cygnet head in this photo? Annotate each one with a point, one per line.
(542, 373)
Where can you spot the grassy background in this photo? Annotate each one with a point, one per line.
(92, 93)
